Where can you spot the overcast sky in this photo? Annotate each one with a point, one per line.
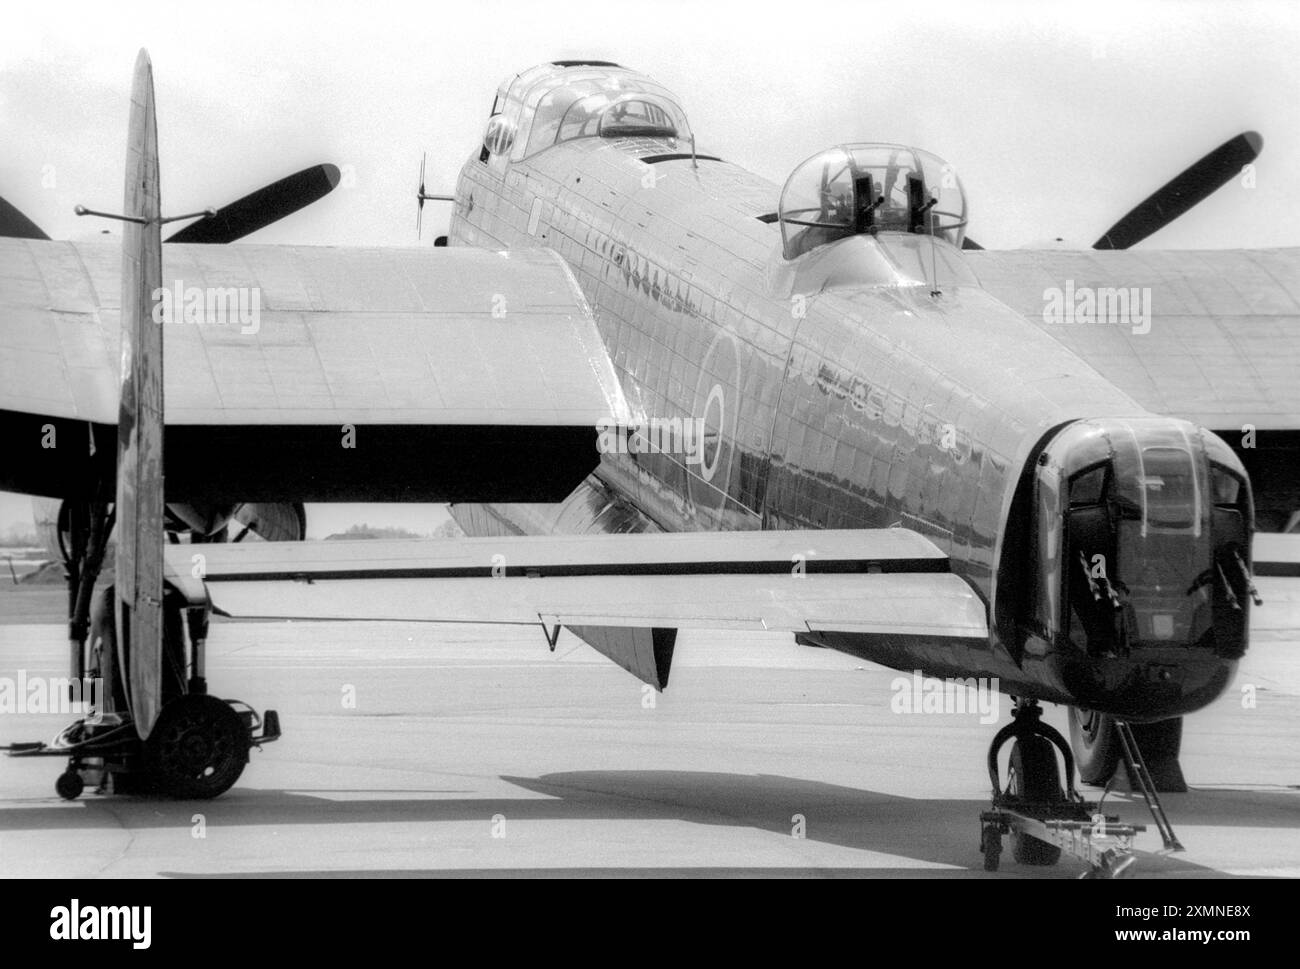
(1058, 118)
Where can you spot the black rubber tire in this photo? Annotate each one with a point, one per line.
(69, 785)
(1161, 744)
(1095, 746)
(1034, 775)
(197, 749)
(991, 846)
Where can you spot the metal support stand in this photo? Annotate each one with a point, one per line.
(89, 527)
(1065, 821)
(1138, 769)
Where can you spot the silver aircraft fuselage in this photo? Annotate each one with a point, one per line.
(832, 398)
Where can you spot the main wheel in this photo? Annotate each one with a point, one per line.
(1095, 745)
(197, 748)
(1034, 776)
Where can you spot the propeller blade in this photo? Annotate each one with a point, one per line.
(1193, 185)
(274, 521)
(419, 198)
(261, 208)
(15, 225)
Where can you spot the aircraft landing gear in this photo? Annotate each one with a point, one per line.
(1095, 746)
(1033, 781)
(198, 746)
(69, 785)
(1099, 753)
(1044, 818)
(1033, 777)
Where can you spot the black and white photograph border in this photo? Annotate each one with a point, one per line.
(656, 440)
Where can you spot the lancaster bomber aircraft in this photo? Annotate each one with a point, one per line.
(659, 392)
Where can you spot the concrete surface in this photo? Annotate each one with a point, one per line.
(473, 750)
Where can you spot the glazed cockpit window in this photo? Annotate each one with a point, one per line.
(583, 117)
(563, 104)
(634, 116)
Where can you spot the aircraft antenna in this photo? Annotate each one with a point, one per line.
(138, 220)
(934, 267)
(421, 196)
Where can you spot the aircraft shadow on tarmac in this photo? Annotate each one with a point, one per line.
(938, 831)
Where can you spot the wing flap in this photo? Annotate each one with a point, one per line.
(785, 552)
(933, 604)
(886, 581)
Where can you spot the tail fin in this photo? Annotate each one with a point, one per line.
(140, 420)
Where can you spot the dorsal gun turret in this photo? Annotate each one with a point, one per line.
(853, 189)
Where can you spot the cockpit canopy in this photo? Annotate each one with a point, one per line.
(554, 103)
(853, 189)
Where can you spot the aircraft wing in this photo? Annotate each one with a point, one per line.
(626, 595)
(1276, 554)
(1223, 348)
(458, 371)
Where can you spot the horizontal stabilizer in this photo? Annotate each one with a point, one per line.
(889, 582)
(1276, 554)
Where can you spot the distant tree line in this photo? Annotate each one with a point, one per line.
(365, 532)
